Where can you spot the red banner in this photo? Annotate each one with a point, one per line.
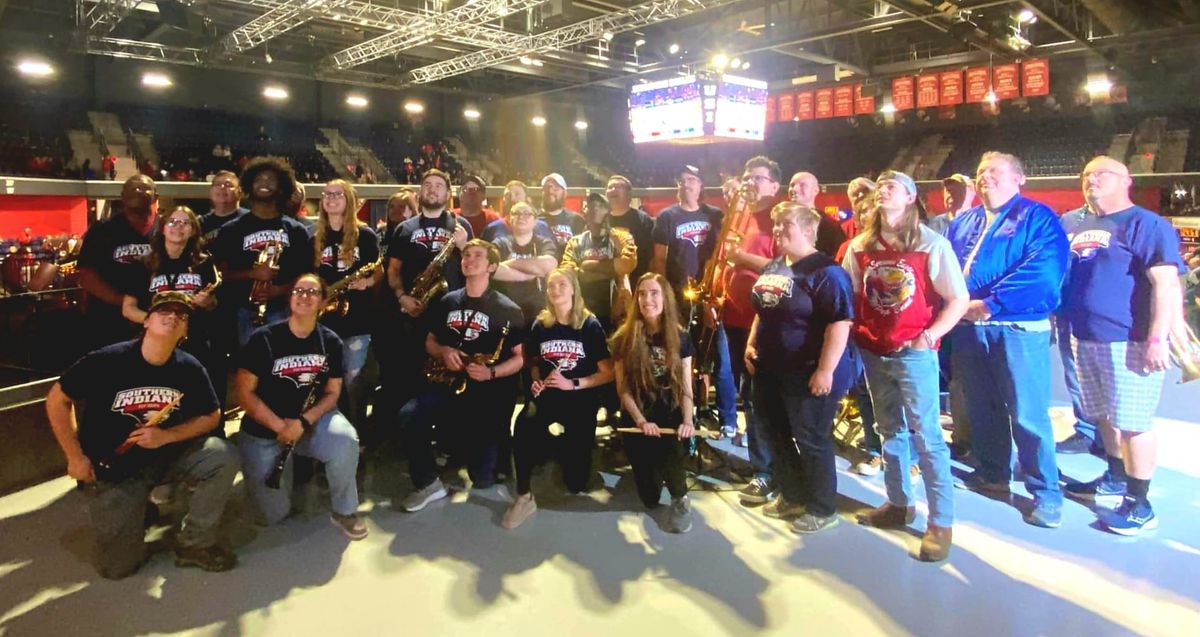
(771, 106)
(1035, 77)
(902, 93)
(927, 91)
(1004, 81)
(786, 105)
(804, 105)
(843, 101)
(824, 107)
(863, 104)
(979, 82)
(951, 85)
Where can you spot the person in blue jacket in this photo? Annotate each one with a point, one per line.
(1014, 255)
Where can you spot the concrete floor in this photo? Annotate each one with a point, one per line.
(599, 566)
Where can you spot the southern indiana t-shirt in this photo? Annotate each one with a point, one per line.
(576, 352)
(288, 368)
(239, 242)
(474, 324)
(114, 250)
(529, 295)
(563, 226)
(1109, 295)
(335, 267)
(419, 239)
(689, 237)
(117, 391)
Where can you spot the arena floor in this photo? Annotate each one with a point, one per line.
(599, 566)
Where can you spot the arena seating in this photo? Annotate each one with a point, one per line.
(33, 142)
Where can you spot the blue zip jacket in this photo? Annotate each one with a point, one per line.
(1020, 268)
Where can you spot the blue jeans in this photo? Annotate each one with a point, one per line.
(758, 437)
(332, 441)
(726, 388)
(1006, 371)
(1062, 330)
(905, 393)
(245, 322)
(355, 350)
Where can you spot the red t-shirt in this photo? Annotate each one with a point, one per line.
(757, 239)
(896, 300)
(479, 221)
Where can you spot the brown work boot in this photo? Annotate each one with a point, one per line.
(935, 546)
(888, 516)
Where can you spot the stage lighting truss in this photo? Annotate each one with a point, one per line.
(104, 15)
(135, 50)
(278, 20)
(593, 29)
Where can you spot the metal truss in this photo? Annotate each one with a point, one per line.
(135, 50)
(104, 15)
(276, 21)
(465, 22)
(627, 19)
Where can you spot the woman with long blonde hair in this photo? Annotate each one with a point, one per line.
(571, 364)
(652, 356)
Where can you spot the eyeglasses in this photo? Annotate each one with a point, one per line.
(1103, 173)
(309, 292)
(224, 185)
(334, 195)
(758, 179)
(523, 214)
(469, 189)
(178, 222)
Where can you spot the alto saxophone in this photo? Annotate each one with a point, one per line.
(437, 372)
(336, 301)
(431, 283)
(268, 256)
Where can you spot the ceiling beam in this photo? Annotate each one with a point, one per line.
(1058, 25)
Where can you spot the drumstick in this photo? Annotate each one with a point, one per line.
(154, 420)
(701, 433)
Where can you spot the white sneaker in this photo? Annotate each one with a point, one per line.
(418, 499)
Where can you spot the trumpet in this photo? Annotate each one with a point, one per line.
(336, 301)
(268, 256)
(437, 372)
(1185, 350)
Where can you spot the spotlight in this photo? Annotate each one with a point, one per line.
(538, 121)
(1099, 86)
(275, 93)
(990, 97)
(581, 125)
(1026, 17)
(607, 35)
(673, 49)
(639, 42)
(888, 109)
(735, 63)
(537, 62)
(155, 80)
(414, 107)
(745, 66)
(35, 68)
(357, 101)
(268, 58)
(526, 60)
(471, 114)
(720, 61)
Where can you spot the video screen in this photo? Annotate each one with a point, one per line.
(741, 108)
(670, 109)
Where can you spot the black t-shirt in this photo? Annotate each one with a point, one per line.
(563, 226)
(419, 239)
(210, 224)
(577, 352)
(830, 236)
(528, 295)
(493, 231)
(661, 408)
(239, 242)
(474, 324)
(689, 237)
(795, 304)
(334, 269)
(116, 390)
(288, 368)
(181, 276)
(641, 226)
(584, 247)
(114, 249)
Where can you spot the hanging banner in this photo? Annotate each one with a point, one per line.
(824, 105)
(902, 93)
(927, 91)
(772, 104)
(786, 112)
(1005, 78)
(804, 105)
(1035, 77)
(979, 82)
(843, 101)
(951, 88)
(863, 104)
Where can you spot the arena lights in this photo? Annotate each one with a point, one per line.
(720, 61)
(538, 121)
(888, 109)
(156, 80)
(735, 63)
(1027, 16)
(673, 49)
(1099, 85)
(275, 93)
(639, 42)
(357, 101)
(607, 35)
(471, 114)
(581, 125)
(414, 107)
(35, 68)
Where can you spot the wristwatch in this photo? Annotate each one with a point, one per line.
(576, 382)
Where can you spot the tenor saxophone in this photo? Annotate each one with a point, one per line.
(431, 282)
(436, 371)
(268, 256)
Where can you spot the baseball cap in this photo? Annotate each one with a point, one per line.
(473, 178)
(169, 298)
(900, 178)
(959, 178)
(688, 169)
(556, 178)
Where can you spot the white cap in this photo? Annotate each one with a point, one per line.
(556, 178)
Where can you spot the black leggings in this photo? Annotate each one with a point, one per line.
(658, 460)
(533, 444)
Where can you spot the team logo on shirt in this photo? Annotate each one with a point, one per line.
(564, 353)
(329, 254)
(770, 289)
(1088, 243)
(185, 282)
(256, 241)
(301, 369)
(890, 285)
(432, 239)
(694, 232)
(469, 324)
(562, 232)
(140, 403)
(130, 252)
(658, 361)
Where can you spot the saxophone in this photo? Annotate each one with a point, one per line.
(437, 372)
(268, 256)
(336, 301)
(431, 283)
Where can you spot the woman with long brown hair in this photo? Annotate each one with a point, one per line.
(652, 356)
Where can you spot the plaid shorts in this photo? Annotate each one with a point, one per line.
(1113, 385)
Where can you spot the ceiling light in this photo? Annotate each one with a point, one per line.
(607, 35)
(414, 107)
(275, 93)
(155, 80)
(990, 97)
(538, 121)
(357, 101)
(720, 60)
(471, 114)
(745, 66)
(673, 49)
(1027, 16)
(537, 62)
(735, 63)
(581, 125)
(35, 68)
(526, 60)
(1099, 86)
(888, 109)
(268, 58)
(639, 42)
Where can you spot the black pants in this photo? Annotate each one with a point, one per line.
(658, 460)
(799, 429)
(533, 444)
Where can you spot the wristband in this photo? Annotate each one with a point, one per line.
(576, 382)
(304, 423)
(493, 371)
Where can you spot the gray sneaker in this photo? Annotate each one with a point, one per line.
(679, 516)
(418, 499)
(809, 523)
